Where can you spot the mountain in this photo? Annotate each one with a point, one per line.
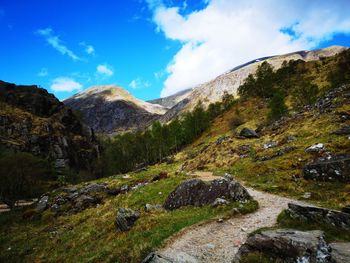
(108, 109)
(34, 121)
(171, 101)
(212, 91)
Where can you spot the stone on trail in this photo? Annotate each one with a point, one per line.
(288, 246)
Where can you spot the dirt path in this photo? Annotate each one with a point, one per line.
(219, 242)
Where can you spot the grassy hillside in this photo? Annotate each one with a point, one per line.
(91, 236)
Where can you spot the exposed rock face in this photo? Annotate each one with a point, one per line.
(288, 246)
(333, 218)
(198, 193)
(335, 169)
(248, 133)
(340, 252)
(213, 90)
(171, 101)
(32, 120)
(126, 218)
(108, 109)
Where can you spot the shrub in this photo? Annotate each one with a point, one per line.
(277, 107)
(22, 175)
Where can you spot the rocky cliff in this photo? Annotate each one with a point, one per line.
(109, 109)
(32, 120)
(171, 101)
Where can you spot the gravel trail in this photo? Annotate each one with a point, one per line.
(219, 242)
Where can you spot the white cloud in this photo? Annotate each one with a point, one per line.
(104, 70)
(43, 72)
(63, 84)
(54, 41)
(139, 83)
(89, 49)
(227, 33)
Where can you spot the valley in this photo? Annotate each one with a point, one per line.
(207, 175)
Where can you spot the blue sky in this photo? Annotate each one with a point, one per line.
(153, 47)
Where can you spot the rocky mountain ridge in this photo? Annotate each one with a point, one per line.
(212, 91)
(109, 109)
(34, 121)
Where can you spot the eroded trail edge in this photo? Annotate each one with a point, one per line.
(219, 242)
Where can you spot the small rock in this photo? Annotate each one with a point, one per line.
(270, 145)
(149, 207)
(243, 229)
(113, 191)
(126, 176)
(220, 220)
(126, 218)
(307, 195)
(156, 258)
(124, 188)
(316, 148)
(42, 204)
(248, 133)
(160, 176)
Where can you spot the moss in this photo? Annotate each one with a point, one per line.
(256, 257)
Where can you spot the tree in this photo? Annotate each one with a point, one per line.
(264, 80)
(22, 175)
(305, 93)
(277, 107)
(227, 100)
(247, 89)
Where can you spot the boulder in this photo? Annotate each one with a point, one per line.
(335, 169)
(340, 252)
(330, 217)
(156, 258)
(93, 188)
(42, 204)
(198, 193)
(248, 133)
(126, 218)
(289, 246)
(85, 201)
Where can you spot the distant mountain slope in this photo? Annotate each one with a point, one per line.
(213, 90)
(32, 120)
(171, 101)
(109, 109)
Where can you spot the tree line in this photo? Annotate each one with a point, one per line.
(128, 151)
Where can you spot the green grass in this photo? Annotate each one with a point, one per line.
(90, 236)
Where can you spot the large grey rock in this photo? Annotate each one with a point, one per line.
(126, 218)
(248, 133)
(198, 193)
(335, 169)
(156, 258)
(334, 218)
(340, 252)
(42, 204)
(289, 246)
